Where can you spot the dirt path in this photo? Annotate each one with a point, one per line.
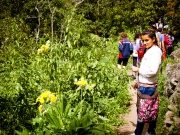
(131, 117)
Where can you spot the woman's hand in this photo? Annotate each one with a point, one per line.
(135, 86)
(135, 69)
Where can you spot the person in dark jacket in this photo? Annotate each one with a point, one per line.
(125, 50)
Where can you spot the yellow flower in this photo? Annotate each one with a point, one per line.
(46, 48)
(47, 99)
(53, 98)
(45, 94)
(38, 99)
(39, 51)
(82, 82)
(40, 108)
(41, 100)
(42, 47)
(48, 43)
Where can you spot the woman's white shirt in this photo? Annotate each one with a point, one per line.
(148, 71)
(159, 25)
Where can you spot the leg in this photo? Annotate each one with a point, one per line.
(119, 62)
(169, 50)
(139, 128)
(135, 61)
(125, 61)
(152, 127)
(134, 64)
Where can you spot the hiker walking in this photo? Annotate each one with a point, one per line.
(169, 47)
(147, 80)
(125, 50)
(159, 24)
(136, 45)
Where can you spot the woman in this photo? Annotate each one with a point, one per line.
(148, 73)
(136, 45)
(159, 24)
(125, 50)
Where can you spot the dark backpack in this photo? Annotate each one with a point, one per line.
(141, 51)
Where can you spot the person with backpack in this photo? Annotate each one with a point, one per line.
(166, 42)
(136, 45)
(125, 50)
(160, 40)
(148, 80)
(169, 46)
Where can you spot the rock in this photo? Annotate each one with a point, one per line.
(175, 54)
(177, 121)
(173, 74)
(171, 107)
(172, 92)
(174, 81)
(175, 98)
(169, 117)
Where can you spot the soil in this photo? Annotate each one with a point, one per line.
(131, 117)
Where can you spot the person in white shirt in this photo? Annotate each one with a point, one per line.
(136, 45)
(148, 73)
(159, 24)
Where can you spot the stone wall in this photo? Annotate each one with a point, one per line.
(172, 91)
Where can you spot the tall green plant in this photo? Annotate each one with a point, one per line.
(65, 117)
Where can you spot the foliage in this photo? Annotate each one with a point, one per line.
(163, 105)
(65, 117)
(60, 66)
(73, 53)
(104, 18)
(111, 17)
(177, 46)
(173, 17)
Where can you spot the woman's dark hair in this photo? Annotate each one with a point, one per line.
(159, 29)
(137, 35)
(151, 35)
(153, 27)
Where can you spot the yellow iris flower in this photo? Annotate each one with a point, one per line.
(41, 100)
(82, 82)
(46, 48)
(45, 94)
(43, 47)
(48, 96)
(53, 98)
(48, 43)
(40, 108)
(39, 51)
